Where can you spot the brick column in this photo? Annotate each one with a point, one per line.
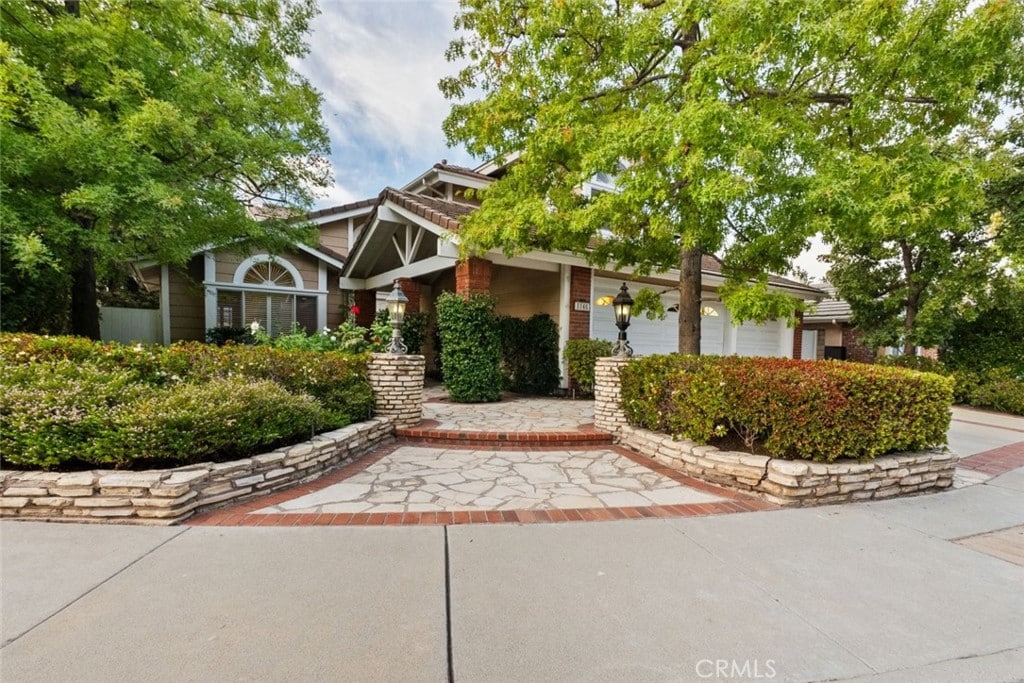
(366, 302)
(579, 290)
(473, 276)
(397, 383)
(608, 413)
(798, 336)
(411, 289)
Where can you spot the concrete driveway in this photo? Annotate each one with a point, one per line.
(905, 590)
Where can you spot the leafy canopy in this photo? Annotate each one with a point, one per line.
(134, 129)
(733, 126)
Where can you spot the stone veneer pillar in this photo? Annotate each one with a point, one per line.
(608, 413)
(397, 383)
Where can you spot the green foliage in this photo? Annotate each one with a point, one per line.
(69, 401)
(919, 363)
(415, 328)
(470, 347)
(818, 410)
(233, 335)
(990, 334)
(744, 125)
(581, 356)
(1000, 389)
(648, 302)
(347, 338)
(156, 131)
(529, 354)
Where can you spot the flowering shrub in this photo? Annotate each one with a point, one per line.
(68, 400)
(818, 410)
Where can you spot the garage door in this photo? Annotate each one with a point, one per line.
(648, 337)
(759, 340)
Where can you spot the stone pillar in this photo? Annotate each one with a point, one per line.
(366, 302)
(473, 276)
(411, 289)
(608, 414)
(397, 383)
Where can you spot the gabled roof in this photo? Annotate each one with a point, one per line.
(441, 212)
(462, 170)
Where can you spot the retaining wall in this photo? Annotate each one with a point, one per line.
(791, 483)
(169, 496)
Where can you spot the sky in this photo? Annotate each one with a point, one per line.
(377, 64)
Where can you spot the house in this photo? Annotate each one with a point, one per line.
(411, 235)
(829, 332)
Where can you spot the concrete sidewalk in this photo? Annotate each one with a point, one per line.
(863, 592)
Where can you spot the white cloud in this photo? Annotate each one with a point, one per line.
(808, 260)
(378, 65)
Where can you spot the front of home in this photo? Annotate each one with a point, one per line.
(411, 235)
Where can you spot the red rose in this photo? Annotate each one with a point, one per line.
(354, 310)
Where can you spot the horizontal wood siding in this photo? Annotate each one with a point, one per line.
(334, 235)
(187, 304)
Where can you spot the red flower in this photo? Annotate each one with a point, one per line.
(354, 310)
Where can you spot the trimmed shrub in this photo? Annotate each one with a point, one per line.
(222, 419)
(470, 347)
(67, 400)
(999, 390)
(794, 409)
(529, 354)
(581, 356)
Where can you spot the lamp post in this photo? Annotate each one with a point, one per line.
(396, 314)
(622, 305)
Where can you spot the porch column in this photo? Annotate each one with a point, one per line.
(580, 291)
(411, 289)
(473, 276)
(608, 414)
(798, 336)
(366, 302)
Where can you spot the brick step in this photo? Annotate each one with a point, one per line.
(505, 439)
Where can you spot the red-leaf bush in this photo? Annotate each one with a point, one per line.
(816, 410)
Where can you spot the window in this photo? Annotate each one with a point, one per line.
(257, 298)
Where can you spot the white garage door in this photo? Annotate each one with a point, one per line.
(648, 337)
(760, 340)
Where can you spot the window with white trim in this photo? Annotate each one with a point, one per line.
(275, 311)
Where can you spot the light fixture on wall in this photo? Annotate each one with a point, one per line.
(622, 305)
(396, 314)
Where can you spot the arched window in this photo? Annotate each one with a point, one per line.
(261, 296)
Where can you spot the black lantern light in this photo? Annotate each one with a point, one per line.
(623, 307)
(396, 314)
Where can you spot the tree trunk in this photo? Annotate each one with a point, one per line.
(689, 300)
(85, 314)
(910, 317)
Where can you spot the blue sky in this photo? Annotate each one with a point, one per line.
(377, 64)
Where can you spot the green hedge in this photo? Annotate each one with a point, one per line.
(68, 401)
(818, 410)
(997, 388)
(529, 354)
(581, 356)
(470, 347)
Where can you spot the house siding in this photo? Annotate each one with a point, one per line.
(186, 299)
(522, 293)
(334, 235)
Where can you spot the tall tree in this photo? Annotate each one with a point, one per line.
(147, 129)
(723, 122)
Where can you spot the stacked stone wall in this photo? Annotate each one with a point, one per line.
(397, 383)
(169, 496)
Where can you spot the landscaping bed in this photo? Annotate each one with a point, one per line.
(72, 404)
